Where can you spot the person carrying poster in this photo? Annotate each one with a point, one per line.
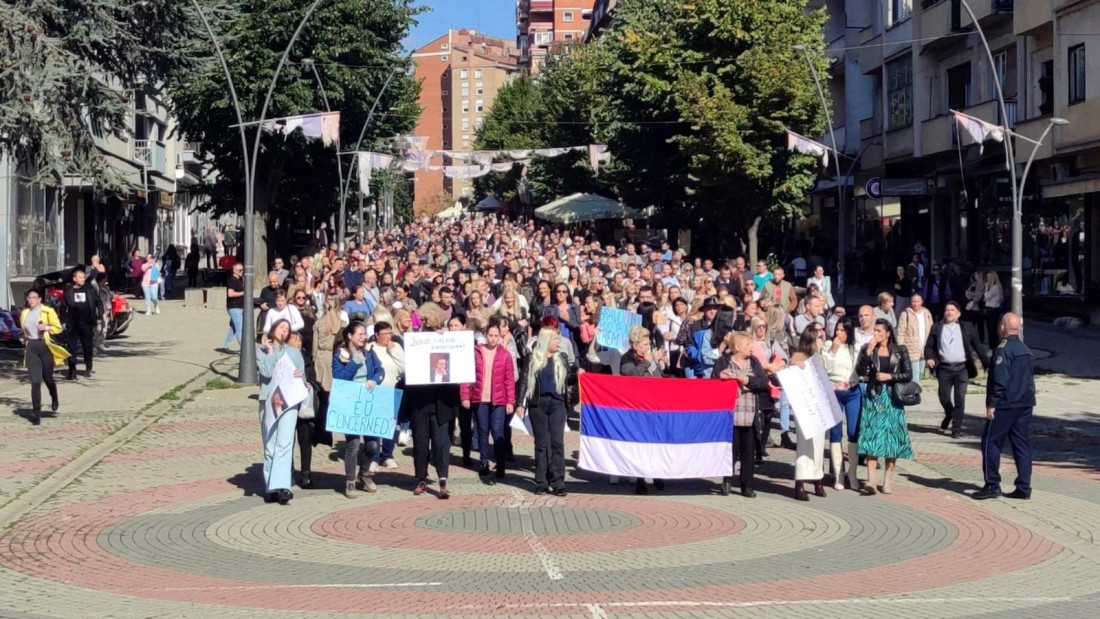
(431, 405)
(352, 361)
(278, 409)
(492, 396)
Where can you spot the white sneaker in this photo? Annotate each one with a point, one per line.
(403, 438)
(373, 467)
(148, 313)
(156, 311)
(389, 463)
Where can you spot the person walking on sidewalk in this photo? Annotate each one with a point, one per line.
(234, 305)
(392, 356)
(38, 322)
(950, 352)
(431, 408)
(542, 390)
(352, 361)
(150, 284)
(83, 310)
(914, 327)
(493, 393)
(810, 459)
(278, 433)
(1009, 404)
(883, 432)
(840, 357)
(738, 364)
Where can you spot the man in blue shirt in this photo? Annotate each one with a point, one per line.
(1009, 403)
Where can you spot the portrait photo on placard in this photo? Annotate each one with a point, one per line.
(440, 367)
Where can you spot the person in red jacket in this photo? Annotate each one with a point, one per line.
(492, 396)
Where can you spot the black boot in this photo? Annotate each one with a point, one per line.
(36, 417)
(640, 487)
(800, 491)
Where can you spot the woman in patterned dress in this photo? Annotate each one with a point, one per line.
(883, 432)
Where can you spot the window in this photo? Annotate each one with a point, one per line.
(446, 92)
(900, 10)
(480, 121)
(998, 74)
(446, 127)
(465, 124)
(465, 107)
(567, 16)
(445, 58)
(35, 243)
(1046, 89)
(480, 91)
(544, 38)
(480, 105)
(1077, 73)
(958, 87)
(899, 93)
(477, 73)
(463, 73)
(465, 90)
(444, 46)
(568, 36)
(446, 144)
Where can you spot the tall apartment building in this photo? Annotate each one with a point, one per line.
(545, 23)
(460, 74)
(899, 67)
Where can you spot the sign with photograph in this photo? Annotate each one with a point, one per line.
(287, 391)
(439, 358)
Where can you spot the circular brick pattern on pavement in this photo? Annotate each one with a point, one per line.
(537, 520)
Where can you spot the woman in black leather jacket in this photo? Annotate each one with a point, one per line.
(883, 432)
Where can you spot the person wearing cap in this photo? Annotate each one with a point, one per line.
(696, 331)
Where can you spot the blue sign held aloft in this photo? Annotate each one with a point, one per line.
(615, 327)
(353, 409)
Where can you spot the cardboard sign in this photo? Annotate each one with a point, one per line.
(355, 410)
(439, 358)
(810, 393)
(615, 325)
(287, 391)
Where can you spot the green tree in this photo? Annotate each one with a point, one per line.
(701, 95)
(355, 46)
(67, 68)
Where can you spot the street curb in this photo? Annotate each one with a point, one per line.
(20, 506)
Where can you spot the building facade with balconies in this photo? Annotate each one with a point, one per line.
(899, 69)
(542, 24)
(460, 74)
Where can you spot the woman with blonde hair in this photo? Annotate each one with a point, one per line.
(402, 324)
(542, 392)
(993, 296)
(737, 364)
(325, 331)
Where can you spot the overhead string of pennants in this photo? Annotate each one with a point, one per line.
(325, 126)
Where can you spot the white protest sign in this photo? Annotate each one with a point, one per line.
(439, 358)
(811, 396)
(287, 391)
(523, 426)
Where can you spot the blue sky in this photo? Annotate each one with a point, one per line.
(492, 17)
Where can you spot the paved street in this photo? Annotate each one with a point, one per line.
(143, 502)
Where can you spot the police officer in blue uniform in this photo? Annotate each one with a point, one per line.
(1009, 403)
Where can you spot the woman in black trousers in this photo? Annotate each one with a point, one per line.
(38, 322)
(543, 395)
(737, 364)
(431, 409)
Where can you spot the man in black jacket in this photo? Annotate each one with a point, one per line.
(83, 310)
(950, 352)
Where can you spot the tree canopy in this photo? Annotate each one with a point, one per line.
(68, 68)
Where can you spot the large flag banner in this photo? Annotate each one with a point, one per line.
(661, 428)
(811, 395)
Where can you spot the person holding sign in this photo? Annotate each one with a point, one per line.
(810, 459)
(543, 396)
(840, 357)
(883, 432)
(278, 421)
(354, 362)
(431, 407)
(492, 396)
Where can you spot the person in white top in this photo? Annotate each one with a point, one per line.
(866, 329)
(914, 327)
(392, 356)
(994, 299)
(840, 357)
(283, 311)
(824, 285)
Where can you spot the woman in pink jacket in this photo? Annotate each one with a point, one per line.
(492, 396)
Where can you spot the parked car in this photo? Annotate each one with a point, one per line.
(53, 292)
(9, 329)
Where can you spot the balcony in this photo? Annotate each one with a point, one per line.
(150, 154)
(1084, 127)
(870, 51)
(1030, 16)
(987, 12)
(937, 134)
(1033, 129)
(899, 143)
(539, 6)
(935, 24)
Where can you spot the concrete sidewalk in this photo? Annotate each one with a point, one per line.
(157, 354)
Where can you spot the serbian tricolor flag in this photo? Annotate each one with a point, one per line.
(661, 428)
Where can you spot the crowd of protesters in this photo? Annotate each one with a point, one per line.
(533, 295)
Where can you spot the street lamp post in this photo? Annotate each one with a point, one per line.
(842, 233)
(247, 369)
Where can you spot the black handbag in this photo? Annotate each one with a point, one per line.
(904, 394)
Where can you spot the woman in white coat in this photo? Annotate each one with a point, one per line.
(824, 284)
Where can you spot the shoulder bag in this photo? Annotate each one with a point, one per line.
(903, 394)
